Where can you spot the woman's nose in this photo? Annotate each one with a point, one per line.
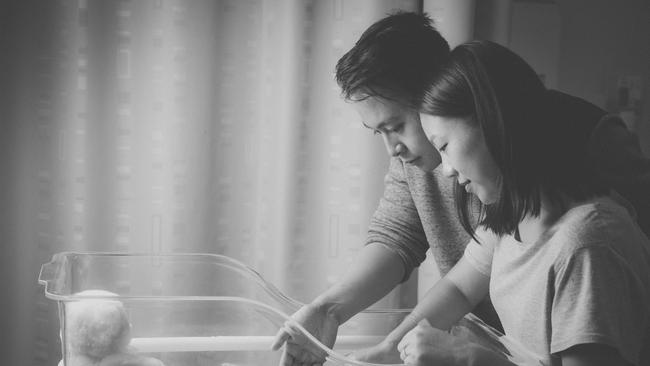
(448, 170)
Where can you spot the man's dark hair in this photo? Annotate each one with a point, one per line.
(534, 150)
(394, 59)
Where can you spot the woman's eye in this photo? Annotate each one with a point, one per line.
(443, 147)
(376, 132)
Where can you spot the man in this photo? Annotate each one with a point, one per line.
(385, 75)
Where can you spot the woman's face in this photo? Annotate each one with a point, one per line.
(464, 154)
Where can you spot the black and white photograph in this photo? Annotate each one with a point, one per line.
(325, 182)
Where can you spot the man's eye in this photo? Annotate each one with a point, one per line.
(376, 132)
(397, 128)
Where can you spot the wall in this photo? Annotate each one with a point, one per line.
(588, 48)
(601, 41)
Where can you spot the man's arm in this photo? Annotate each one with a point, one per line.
(376, 272)
(395, 245)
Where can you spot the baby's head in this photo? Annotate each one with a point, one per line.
(96, 327)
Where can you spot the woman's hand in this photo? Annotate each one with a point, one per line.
(425, 345)
(298, 348)
(383, 353)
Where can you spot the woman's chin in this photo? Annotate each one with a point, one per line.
(486, 199)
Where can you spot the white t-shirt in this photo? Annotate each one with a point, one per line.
(586, 280)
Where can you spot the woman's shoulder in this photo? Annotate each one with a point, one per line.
(602, 221)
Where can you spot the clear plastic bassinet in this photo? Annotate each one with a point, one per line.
(205, 309)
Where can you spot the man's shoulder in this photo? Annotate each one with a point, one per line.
(572, 110)
(611, 129)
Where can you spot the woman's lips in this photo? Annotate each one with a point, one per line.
(465, 185)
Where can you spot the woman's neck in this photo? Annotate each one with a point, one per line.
(532, 228)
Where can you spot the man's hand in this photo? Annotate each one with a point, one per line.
(298, 348)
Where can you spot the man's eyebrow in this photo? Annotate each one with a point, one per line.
(383, 123)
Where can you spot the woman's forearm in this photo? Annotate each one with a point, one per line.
(476, 355)
(442, 306)
(451, 298)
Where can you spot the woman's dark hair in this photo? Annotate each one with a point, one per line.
(500, 92)
(393, 59)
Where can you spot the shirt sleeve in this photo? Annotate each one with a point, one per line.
(593, 305)
(479, 254)
(396, 223)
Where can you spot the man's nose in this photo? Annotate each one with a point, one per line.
(394, 147)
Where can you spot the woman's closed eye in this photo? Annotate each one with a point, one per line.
(442, 148)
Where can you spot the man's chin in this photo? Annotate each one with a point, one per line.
(422, 164)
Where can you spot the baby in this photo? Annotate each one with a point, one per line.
(98, 333)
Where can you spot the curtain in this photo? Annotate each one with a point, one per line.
(180, 126)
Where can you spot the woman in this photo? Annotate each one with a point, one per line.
(564, 261)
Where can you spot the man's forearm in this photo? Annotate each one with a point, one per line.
(377, 270)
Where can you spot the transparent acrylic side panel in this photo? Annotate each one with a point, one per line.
(205, 332)
(163, 275)
(187, 333)
(210, 310)
(239, 332)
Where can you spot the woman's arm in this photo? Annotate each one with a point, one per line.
(425, 346)
(444, 305)
(451, 298)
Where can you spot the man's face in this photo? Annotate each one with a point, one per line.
(401, 130)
